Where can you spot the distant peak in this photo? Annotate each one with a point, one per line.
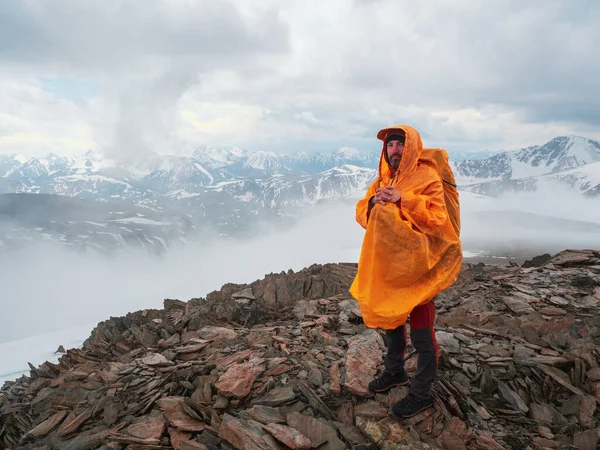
(22, 158)
(94, 155)
(348, 152)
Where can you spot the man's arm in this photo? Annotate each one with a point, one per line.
(426, 209)
(364, 205)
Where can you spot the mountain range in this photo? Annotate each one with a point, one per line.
(232, 192)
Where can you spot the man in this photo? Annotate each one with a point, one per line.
(410, 253)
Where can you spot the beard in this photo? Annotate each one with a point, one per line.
(395, 161)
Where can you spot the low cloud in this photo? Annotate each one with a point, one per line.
(49, 289)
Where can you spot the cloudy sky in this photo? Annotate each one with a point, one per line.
(128, 77)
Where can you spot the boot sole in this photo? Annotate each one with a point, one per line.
(383, 391)
(408, 416)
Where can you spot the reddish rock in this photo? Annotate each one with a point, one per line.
(48, 425)
(545, 443)
(371, 409)
(334, 378)
(317, 430)
(375, 430)
(166, 403)
(73, 423)
(452, 442)
(363, 357)
(245, 434)
(189, 335)
(552, 311)
(226, 361)
(456, 427)
(238, 379)
(397, 432)
(148, 428)
(179, 439)
(346, 413)
(36, 385)
(289, 436)
(217, 334)
(586, 440)
(487, 443)
(156, 359)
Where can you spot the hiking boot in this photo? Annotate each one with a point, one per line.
(411, 405)
(386, 381)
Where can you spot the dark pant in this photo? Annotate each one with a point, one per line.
(422, 336)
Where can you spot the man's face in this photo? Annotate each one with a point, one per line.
(394, 152)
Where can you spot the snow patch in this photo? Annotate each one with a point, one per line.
(141, 221)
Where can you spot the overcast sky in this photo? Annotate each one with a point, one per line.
(166, 76)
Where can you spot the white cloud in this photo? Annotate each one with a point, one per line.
(305, 74)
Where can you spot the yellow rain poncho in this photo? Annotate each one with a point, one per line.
(410, 251)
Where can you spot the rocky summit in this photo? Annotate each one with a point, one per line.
(285, 361)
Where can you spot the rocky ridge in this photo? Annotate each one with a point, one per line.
(284, 363)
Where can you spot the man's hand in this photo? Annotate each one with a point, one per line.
(376, 199)
(388, 194)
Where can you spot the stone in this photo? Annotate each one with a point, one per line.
(72, 424)
(150, 380)
(363, 357)
(456, 427)
(512, 397)
(244, 294)
(335, 378)
(289, 436)
(537, 261)
(48, 425)
(522, 354)
(587, 411)
(315, 377)
(346, 413)
(371, 409)
(452, 442)
(263, 414)
(572, 406)
(237, 381)
(541, 413)
(517, 305)
(374, 429)
(277, 396)
(245, 434)
(317, 430)
(586, 440)
(351, 433)
(218, 334)
(156, 359)
(552, 311)
(447, 341)
(147, 428)
(593, 374)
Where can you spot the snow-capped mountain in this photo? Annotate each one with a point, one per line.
(232, 191)
(569, 160)
(228, 189)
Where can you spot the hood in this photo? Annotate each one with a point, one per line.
(410, 156)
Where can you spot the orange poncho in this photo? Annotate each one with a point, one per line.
(410, 251)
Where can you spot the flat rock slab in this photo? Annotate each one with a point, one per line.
(363, 357)
(317, 430)
(237, 381)
(291, 437)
